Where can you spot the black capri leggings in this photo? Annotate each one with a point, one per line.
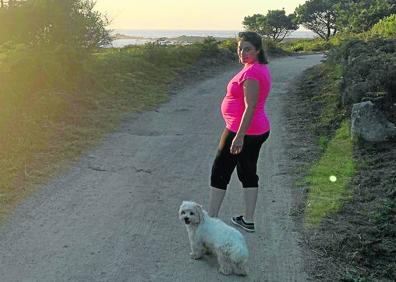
(246, 161)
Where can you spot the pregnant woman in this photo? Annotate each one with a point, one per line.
(246, 128)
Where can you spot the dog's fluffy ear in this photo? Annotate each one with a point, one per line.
(181, 207)
(199, 211)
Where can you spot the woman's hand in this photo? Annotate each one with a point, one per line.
(237, 145)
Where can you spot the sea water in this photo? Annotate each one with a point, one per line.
(150, 35)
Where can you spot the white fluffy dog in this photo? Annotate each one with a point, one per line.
(211, 234)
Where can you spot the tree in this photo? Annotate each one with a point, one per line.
(67, 22)
(318, 16)
(278, 25)
(254, 23)
(359, 16)
(275, 25)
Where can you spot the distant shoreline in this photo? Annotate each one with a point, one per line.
(182, 39)
(124, 36)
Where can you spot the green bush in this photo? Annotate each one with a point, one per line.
(385, 28)
(361, 16)
(273, 49)
(368, 69)
(229, 44)
(341, 37)
(306, 45)
(210, 46)
(24, 68)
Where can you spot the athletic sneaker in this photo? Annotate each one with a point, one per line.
(238, 220)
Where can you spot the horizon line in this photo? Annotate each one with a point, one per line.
(188, 29)
(171, 29)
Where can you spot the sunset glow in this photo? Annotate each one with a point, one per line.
(187, 14)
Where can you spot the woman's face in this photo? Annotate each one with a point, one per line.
(247, 53)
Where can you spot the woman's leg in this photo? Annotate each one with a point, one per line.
(223, 166)
(247, 172)
(250, 199)
(216, 197)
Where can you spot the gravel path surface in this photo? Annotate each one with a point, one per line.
(113, 216)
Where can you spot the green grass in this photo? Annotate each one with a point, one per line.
(305, 45)
(325, 196)
(325, 96)
(330, 94)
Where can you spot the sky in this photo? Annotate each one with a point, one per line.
(187, 14)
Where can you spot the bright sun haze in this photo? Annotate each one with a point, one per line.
(188, 14)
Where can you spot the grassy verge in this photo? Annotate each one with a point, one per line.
(329, 178)
(327, 195)
(54, 108)
(349, 224)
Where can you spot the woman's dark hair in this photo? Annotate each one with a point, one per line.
(256, 40)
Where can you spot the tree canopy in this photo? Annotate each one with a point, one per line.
(319, 16)
(38, 22)
(276, 25)
(327, 17)
(359, 16)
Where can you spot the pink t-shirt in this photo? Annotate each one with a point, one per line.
(233, 104)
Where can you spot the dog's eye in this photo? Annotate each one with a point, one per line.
(191, 213)
(183, 212)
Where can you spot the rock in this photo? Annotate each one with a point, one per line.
(370, 124)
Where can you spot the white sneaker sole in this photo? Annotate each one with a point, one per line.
(241, 226)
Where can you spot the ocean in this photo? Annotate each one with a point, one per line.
(150, 35)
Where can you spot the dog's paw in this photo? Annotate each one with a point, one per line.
(240, 269)
(195, 256)
(225, 270)
(241, 272)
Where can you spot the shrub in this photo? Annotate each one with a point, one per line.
(368, 72)
(385, 28)
(230, 44)
(306, 45)
(29, 69)
(210, 46)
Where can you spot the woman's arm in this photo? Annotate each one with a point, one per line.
(251, 93)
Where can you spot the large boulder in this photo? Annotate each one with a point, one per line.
(370, 124)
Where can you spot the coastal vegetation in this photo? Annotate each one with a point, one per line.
(360, 67)
(347, 188)
(62, 91)
(349, 220)
(326, 18)
(361, 60)
(350, 186)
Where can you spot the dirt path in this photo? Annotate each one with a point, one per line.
(113, 216)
